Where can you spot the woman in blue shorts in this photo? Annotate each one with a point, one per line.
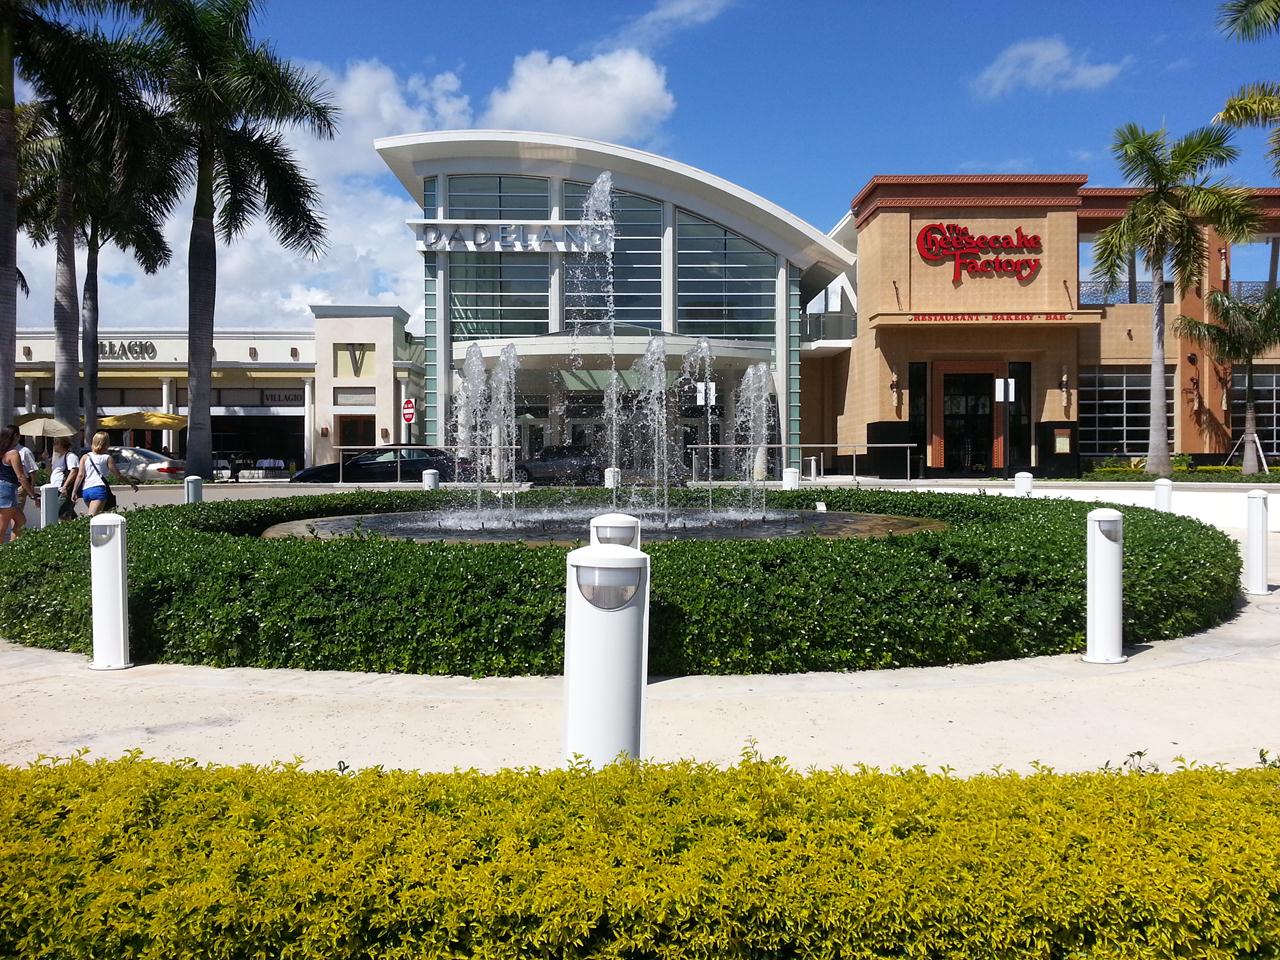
(12, 477)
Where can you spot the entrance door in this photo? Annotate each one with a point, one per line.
(968, 425)
(356, 431)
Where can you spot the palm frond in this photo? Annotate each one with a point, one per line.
(1196, 153)
(1140, 154)
(1253, 105)
(1249, 19)
(289, 199)
(1232, 209)
(269, 89)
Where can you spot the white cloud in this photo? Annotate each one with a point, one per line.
(666, 18)
(619, 96)
(1045, 64)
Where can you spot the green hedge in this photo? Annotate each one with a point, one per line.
(135, 858)
(1006, 579)
(1192, 475)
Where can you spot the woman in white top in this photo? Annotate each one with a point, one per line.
(91, 484)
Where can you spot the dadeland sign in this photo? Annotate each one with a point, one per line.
(986, 255)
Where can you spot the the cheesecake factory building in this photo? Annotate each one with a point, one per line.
(946, 324)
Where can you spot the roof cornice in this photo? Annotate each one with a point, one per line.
(965, 179)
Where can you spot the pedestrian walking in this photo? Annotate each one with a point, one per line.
(92, 484)
(64, 469)
(13, 477)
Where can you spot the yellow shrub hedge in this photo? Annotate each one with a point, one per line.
(136, 858)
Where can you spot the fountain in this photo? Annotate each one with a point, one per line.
(696, 370)
(751, 428)
(651, 405)
(471, 416)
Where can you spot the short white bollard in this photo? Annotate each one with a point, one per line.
(1022, 484)
(1256, 576)
(813, 469)
(612, 478)
(791, 478)
(619, 529)
(821, 506)
(1104, 605)
(1164, 495)
(606, 652)
(194, 489)
(109, 576)
(48, 505)
(430, 479)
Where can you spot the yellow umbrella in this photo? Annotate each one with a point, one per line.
(143, 420)
(34, 425)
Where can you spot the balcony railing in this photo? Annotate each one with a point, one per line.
(828, 326)
(1098, 293)
(1252, 290)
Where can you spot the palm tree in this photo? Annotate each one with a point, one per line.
(231, 96)
(67, 136)
(32, 37)
(1165, 225)
(1255, 104)
(1240, 331)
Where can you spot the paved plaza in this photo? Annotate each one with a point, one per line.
(1210, 697)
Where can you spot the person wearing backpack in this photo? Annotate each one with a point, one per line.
(64, 468)
(92, 484)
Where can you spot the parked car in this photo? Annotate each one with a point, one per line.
(567, 465)
(135, 463)
(380, 466)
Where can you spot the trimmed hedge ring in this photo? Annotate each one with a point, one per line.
(1005, 580)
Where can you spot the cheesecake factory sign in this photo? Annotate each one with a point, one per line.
(986, 255)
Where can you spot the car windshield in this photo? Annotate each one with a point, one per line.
(376, 457)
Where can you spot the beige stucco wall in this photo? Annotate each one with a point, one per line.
(386, 334)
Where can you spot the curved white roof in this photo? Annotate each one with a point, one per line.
(413, 156)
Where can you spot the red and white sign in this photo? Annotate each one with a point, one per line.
(408, 410)
(940, 242)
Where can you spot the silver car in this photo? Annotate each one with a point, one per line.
(135, 463)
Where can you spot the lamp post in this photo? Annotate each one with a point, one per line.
(430, 479)
(48, 505)
(606, 652)
(616, 528)
(1163, 490)
(1256, 578)
(109, 576)
(193, 488)
(1104, 602)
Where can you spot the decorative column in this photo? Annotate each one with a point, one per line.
(166, 405)
(308, 421)
(29, 396)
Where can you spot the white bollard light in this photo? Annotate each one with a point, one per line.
(1256, 575)
(430, 479)
(1104, 604)
(606, 652)
(1022, 484)
(194, 488)
(1164, 495)
(813, 469)
(616, 528)
(821, 506)
(612, 478)
(109, 575)
(48, 505)
(791, 478)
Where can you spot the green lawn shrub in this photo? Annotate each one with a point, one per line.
(1192, 474)
(135, 858)
(1005, 579)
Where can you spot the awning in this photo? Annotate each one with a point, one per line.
(143, 420)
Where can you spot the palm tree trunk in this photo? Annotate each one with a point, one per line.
(66, 311)
(1249, 464)
(8, 225)
(202, 276)
(89, 333)
(1158, 435)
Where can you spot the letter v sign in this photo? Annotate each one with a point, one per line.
(357, 353)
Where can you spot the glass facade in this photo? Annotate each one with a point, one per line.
(1115, 408)
(498, 294)
(1266, 405)
(794, 313)
(430, 199)
(637, 263)
(430, 349)
(494, 198)
(725, 284)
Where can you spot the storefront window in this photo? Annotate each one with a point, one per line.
(1115, 410)
(498, 294)
(725, 283)
(1266, 405)
(637, 263)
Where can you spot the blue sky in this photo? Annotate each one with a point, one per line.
(801, 102)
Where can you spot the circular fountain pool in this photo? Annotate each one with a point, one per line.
(569, 525)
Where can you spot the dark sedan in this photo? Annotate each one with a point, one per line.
(388, 466)
(566, 465)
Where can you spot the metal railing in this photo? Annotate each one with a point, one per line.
(855, 447)
(1095, 293)
(341, 450)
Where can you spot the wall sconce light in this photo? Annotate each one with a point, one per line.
(26, 353)
(894, 389)
(253, 353)
(1129, 333)
(1064, 385)
(386, 434)
(1192, 359)
(1222, 263)
(293, 353)
(324, 431)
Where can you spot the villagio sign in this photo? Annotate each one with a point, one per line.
(986, 255)
(126, 350)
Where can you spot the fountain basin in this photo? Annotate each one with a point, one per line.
(566, 526)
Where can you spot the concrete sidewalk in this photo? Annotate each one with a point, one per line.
(1213, 697)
